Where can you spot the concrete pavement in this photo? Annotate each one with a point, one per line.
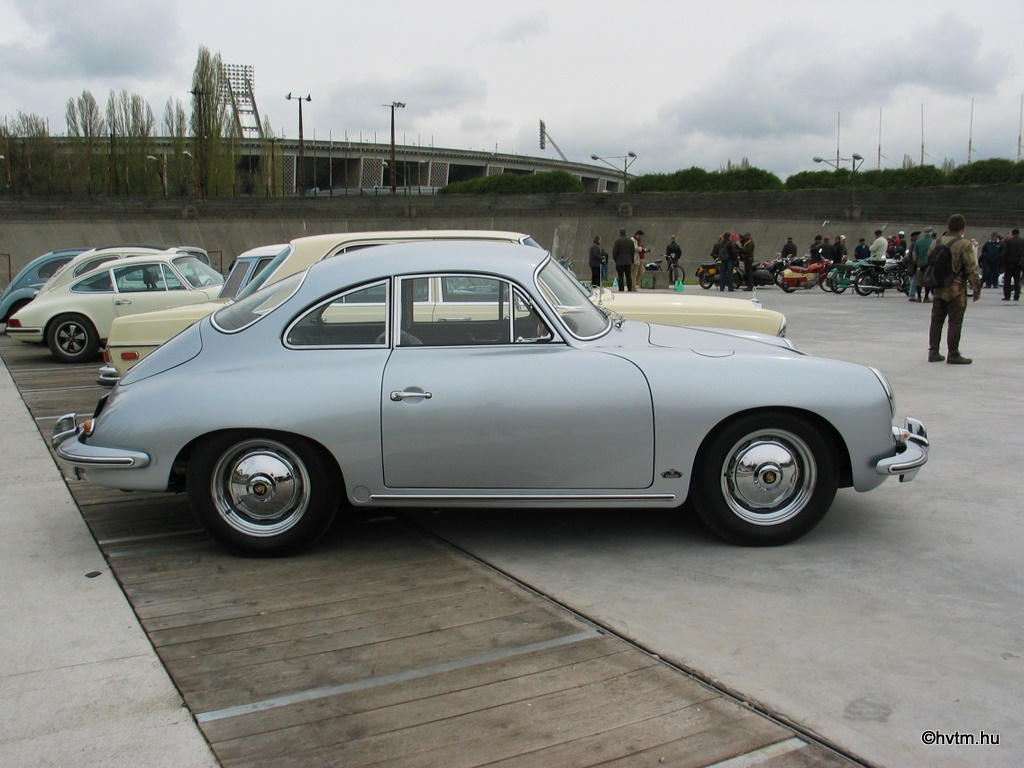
(82, 686)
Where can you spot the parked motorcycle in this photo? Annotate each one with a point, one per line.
(873, 277)
(794, 277)
(707, 274)
(767, 272)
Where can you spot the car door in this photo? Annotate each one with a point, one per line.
(525, 411)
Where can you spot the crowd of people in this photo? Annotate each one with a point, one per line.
(1000, 259)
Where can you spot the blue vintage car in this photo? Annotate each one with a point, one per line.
(344, 386)
(22, 289)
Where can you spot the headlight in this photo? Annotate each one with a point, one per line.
(888, 391)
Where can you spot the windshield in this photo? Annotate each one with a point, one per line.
(572, 303)
(243, 312)
(198, 274)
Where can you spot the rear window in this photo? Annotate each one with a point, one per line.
(243, 312)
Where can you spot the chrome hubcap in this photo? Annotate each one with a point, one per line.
(261, 488)
(769, 478)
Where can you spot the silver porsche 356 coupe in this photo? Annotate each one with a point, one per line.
(348, 385)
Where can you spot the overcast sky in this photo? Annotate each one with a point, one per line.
(681, 83)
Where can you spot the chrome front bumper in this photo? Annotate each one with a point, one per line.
(911, 451)
(70, 449)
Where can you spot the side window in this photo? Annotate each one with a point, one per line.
(170, 280)
(138, 278)
(91, 264)
(473, 310)
(98, 283)
(50, 269)
(356, 318)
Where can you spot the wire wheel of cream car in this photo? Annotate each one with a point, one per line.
(262, 496)
(72, 339)
(765, 479)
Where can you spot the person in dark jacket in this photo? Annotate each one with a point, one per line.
(728, 255)
(595, 258)
(1013, 259)
(622, 254)
(990, 259)
(789, 249)
(747, 259)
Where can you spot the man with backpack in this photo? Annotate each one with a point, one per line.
(953, 262)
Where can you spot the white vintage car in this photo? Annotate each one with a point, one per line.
(133, 338)
(74, 317)
(531, 396)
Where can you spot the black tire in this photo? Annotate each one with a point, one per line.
(263, 496)
(705, 280)
(72, 339)
(824, 282)
(765, 479)
(786, 286)
(841, 286)
(864, 283)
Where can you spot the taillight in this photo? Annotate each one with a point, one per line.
(14, 323)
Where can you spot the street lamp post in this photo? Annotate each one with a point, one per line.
(302, 146)
(162, 169)
(627, 160)
(393, 106)
(855, 161)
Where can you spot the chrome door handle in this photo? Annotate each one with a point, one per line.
(399, 396)
(122, 302)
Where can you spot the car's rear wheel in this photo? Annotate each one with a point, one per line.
(765, 479)
(263, 495)
(72, 339)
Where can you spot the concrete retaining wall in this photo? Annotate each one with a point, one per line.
(566, 224)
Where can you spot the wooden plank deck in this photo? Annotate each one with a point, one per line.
(385, 646)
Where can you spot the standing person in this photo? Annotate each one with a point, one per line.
(879, 247)
(728, 255)
(814, 252)
(640, 251)
(1013, 258)
(951, 303)
(862, 250)
(747, 258)
(991, 259)
(596, 259)
(789, 249)
(673, 253)
(622, 254)
(910, 264)
(840, 249)
(827, 251)
(919, 256)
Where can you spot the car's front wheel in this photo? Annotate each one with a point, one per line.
(263, 495)
(765, 479)
(72, 339)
